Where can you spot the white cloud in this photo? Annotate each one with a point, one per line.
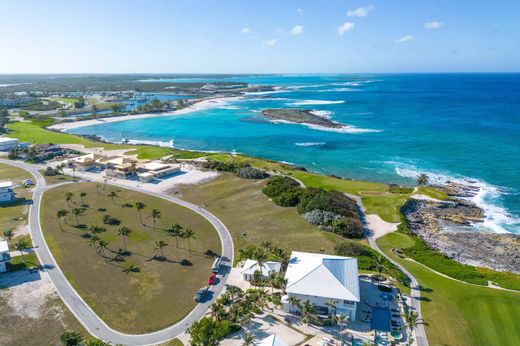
(343, 28)
(245, 30)
(360, 11)
(299, 11)
(297, 30)
(406, 38)
(271, 42)
(433, 25)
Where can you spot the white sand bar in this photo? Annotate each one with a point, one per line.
(203, 104)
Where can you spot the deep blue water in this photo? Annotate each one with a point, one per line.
(452, 126)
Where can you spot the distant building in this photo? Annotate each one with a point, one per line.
(323, 279)
(251, 266)
(154, 170)
(6, 191)
(7, 143)
(4, 255)
(118, 166)
(83, 163)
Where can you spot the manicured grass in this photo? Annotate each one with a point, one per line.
(69, 100)
(161, 293)
(432, 192)
(56, 179)
(33, 133)
(17, 263)
(386, 206)
(15, 213)
(252, 218)
(458, 313)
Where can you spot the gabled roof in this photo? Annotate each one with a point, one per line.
(319, 275)
(272, 340)
(251, 266)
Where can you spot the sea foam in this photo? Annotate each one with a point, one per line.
(314, 102)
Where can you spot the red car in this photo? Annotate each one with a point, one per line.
(212, 278)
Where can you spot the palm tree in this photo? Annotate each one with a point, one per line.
(68, 197)
(266, 245)
(140, 206)
(124, 232)
(156, 214)
(422, 179)
(93, 241)
(112, 195)
(176, 231)
(187, 235)
(159, 245)
(332, 304)
(77, 212)
(82, 194)
(248, 339)
(379, 266)
(272, 279)
(96, 229)
(412, 320)
(60, 214)
(132, 268)
(294, 302)
(21, 245)
(105, 183)
(307, 308)
(340, 320)
(9, 234)
(102, 246)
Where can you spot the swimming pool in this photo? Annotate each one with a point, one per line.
(380, 319)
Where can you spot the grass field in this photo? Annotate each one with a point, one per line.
(161, 293)
(252, 218)
(458, 313)
(14, 214)
(34, 133)
(68, 100)
(56, 179)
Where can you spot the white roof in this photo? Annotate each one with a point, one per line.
(272, 340)
(7, 140)
(154, 166)
(320, 275)
(251, 266)
(4, 184)
(4, 247)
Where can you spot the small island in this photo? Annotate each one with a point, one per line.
(300, 116)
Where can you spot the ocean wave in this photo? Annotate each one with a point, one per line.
(337, 90)
(314, 102)
(322, 114)
(310, 144)
(163, 144)
(497, 218)
(342, 129)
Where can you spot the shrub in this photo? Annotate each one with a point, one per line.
(289, 198)
(351, 248)
(251, 173)
(320, 218)
(277, 185)
(109, 220)
(333, 201)
(394, 188)
(208, 331)
(348, 227)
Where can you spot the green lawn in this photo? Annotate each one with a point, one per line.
(431, 192)
(14, 214)
(17, 262)
(252, 218)
(68, 100)
(33, 133)
(56, 179)
(458, 313)
(161, 293)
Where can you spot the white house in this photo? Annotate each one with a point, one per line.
(7, 143)
(4, 255)
(154, 170)
(272, 340)
(251, 266)
(6, 191)
(323, 279)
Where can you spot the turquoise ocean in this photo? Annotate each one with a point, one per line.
(458, 127)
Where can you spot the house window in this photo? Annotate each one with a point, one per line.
(348, 302)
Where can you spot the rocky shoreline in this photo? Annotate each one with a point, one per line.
(445, 226)
(300, 116)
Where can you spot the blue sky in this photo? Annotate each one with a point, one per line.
(285, 36)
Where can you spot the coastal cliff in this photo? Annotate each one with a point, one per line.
(300, 116)
(445, 226)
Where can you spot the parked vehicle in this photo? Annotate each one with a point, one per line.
(216, 265)
(199, 295)
(211, 280)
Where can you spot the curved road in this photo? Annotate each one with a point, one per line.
(90, 320)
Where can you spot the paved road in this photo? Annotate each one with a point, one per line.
(77, 305)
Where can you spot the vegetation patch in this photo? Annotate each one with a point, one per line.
(137, 267)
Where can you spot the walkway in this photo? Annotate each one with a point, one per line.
(88, 318)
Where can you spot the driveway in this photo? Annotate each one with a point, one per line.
(90, 320)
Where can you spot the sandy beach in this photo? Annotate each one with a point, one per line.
(197, 106)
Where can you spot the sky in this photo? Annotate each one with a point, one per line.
(261, 36)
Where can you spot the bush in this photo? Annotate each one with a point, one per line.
(208, 332)
(251, 173)
(394, 188)
(351, 248)
(289, 198)
(109, 220)
(333, 201)
(348, 227)
(321, 218)
(278, 185)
